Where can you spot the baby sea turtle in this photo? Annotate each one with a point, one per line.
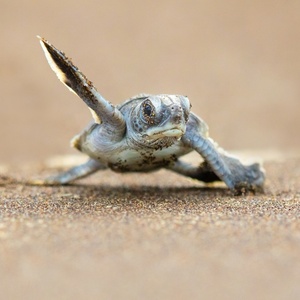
(145, 133)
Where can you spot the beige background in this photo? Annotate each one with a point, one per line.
(238, 61)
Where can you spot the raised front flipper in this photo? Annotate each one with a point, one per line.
(103, 110)
(90, 167)
(228, 168)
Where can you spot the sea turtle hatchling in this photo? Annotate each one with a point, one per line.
(145, 133)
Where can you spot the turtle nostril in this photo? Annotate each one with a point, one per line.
(176, 107)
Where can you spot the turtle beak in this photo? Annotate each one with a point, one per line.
(167, 131)
(175, 132)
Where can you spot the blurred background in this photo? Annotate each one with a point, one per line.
(238, 61)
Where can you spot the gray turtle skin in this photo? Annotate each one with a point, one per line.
(145, 133)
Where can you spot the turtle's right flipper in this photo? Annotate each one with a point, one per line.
(91, 166)
(76, 81)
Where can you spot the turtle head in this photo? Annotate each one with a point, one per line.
(159, 118)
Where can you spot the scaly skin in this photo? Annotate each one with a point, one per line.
(145, 133)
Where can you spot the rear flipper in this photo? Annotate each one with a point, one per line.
(203, 172)
(91, 166)
(229, 169)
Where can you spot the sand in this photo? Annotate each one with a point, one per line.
(157, 236)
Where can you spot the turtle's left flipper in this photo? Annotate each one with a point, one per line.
(229, 169)
(203, 172)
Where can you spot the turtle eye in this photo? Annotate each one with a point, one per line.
(148, 112)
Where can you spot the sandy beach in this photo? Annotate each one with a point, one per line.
(158, 235)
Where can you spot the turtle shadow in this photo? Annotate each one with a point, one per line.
(142, 198)
(150, 191)
(109, 189)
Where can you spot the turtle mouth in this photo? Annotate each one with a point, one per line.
(173, 132)
(176, 132)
